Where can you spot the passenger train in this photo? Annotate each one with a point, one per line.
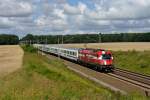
(97, 58)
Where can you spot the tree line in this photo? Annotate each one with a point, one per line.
(6, 39)
(75, 38)
(87, 38)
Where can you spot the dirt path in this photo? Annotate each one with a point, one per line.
(10, 58)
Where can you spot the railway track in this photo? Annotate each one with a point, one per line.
(140, 80)
(134, 76)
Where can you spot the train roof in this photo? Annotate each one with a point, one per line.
(73, 49)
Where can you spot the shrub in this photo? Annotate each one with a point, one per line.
(29, 48)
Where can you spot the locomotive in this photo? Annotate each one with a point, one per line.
(99, 59)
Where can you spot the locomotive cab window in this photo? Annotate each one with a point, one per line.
(106, 56)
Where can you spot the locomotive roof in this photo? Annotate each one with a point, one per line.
(93, 50)
(74, 49)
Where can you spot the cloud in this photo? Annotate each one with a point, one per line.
(51, 23)
(75, 10)
(12, 8)
(61, 16)
(5, 23)
(120, 9)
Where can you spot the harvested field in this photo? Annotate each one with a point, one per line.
(10, 58)
(124, 46)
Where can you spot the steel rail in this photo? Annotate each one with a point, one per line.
(133, 73)
(145, 79)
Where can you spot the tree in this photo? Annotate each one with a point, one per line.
(6, 39)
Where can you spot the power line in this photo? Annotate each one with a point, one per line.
(100, 37)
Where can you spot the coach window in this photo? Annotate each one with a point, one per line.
(75, 53)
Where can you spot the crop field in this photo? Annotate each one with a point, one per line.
(124, 46)
(10, 58)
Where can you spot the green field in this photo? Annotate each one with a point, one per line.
(44, 79)
(137, 61)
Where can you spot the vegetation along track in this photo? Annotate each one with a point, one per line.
(140, 80)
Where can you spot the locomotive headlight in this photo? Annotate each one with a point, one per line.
(105, 63)
(100, 57)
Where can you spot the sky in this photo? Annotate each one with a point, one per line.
(53, 17)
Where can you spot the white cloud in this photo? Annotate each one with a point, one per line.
(121, 9)
(12, 8)
(71, 10)
(52, 24)
(59, 16)
(75, 10)
(5, 23)
(82, 7)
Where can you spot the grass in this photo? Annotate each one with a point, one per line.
(137, 61)
(44, 79)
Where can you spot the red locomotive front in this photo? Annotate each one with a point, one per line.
(101, 59)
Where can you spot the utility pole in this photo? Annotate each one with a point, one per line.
(58, 40)
(42, 46)
(37, 42)
(100, 38)
(62, 40)
(58, 47)
(26, 42)
(46, 39)
(41, 40)
(30, 42)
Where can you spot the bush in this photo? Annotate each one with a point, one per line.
(29, 48)
(137, 61)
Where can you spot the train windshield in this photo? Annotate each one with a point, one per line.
(106, 56)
